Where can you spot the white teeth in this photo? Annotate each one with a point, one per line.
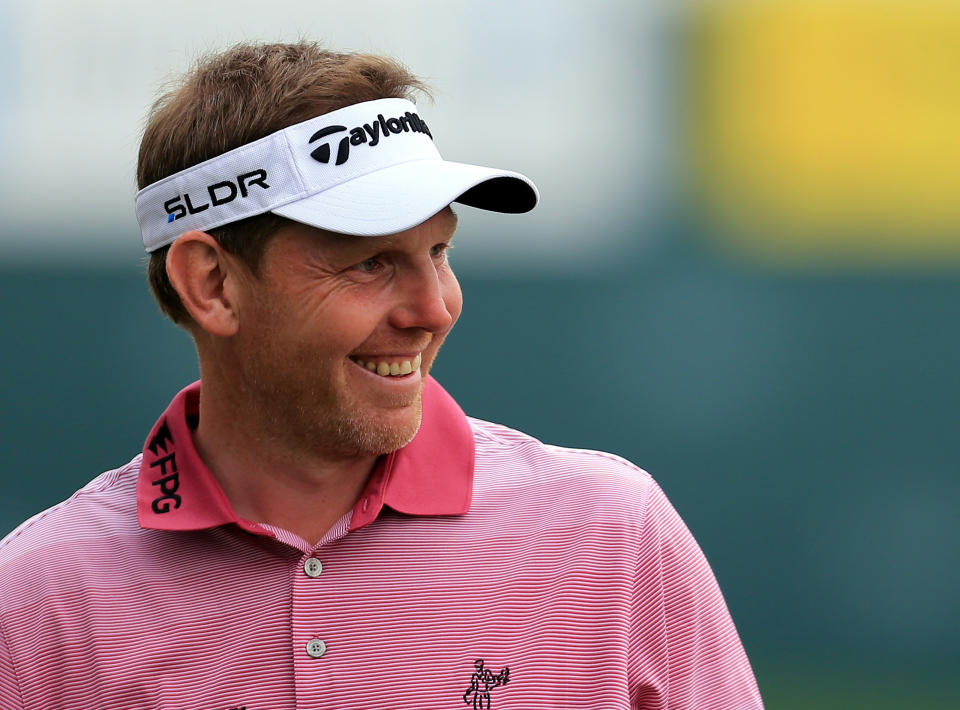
(392, 369)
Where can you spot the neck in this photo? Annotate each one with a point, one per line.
(269, 478)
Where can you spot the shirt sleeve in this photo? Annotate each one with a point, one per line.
(687, 654)
(10, 697)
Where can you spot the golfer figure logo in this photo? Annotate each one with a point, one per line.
(481, 683)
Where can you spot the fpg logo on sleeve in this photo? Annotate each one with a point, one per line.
(381, 128)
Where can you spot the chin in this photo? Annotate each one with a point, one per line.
(377, 434)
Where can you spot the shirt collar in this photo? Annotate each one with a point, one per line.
(432, 475)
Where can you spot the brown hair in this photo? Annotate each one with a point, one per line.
(240, 95)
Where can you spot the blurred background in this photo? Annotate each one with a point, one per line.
(743, 276)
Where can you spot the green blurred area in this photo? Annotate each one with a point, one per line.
(803, 424)
(807, 686)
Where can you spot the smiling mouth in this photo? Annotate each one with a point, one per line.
(387, 368)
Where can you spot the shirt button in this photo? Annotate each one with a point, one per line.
(312, 567)
(316, 648)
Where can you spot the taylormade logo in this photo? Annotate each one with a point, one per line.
(369, 133)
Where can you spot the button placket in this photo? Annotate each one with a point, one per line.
(312, 634)
(306, 587)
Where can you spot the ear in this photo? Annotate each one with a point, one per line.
(202, 275)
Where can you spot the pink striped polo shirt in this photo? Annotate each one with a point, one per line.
(479, 569)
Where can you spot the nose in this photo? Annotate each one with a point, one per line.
(428, 299)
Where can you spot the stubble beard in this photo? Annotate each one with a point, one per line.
(360, 434)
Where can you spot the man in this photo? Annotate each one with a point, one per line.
(316, 523)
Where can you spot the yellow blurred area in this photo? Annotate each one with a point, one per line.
(829, 128)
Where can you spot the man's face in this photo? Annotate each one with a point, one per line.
(325, 303)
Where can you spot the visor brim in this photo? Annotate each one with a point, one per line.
(399, 197)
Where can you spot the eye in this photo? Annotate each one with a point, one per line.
(368, 266)
(440, 250)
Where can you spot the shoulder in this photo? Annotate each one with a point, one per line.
(514, 452)
(597, 484)
(103, 507)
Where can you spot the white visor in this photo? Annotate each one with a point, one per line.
(368, 169)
